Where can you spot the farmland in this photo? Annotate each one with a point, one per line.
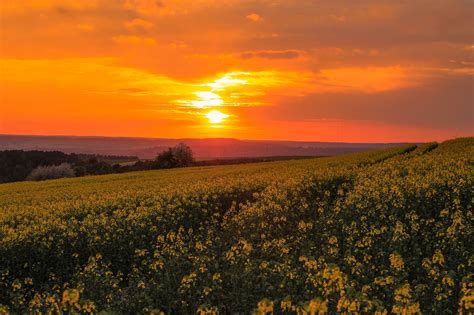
(386, 231)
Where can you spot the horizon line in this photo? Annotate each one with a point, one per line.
(212, 138)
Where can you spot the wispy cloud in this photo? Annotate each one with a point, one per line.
(133, 39)
(138, 24)
(86, 27)
(272, 54)
(254, 17)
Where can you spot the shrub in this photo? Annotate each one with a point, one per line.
(51, 172)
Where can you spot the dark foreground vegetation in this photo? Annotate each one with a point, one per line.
(375, 233)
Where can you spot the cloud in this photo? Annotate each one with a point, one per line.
(338, 18)
(178, 45)
(138, 23)
(254, 17)
(132, 39)
(367, 80)
(149, 7)
(86, 27)
(17, 6)
(439, 103)
(272, 54)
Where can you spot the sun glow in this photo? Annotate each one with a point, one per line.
(228, 80)
(207, 99)
(216, 117)
(210, 98)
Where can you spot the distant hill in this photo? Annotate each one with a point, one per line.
(147, 148)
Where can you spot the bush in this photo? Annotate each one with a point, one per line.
(52, 172)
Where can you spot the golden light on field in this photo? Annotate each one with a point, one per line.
(216, 117)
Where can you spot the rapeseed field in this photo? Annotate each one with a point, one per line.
(381, 232)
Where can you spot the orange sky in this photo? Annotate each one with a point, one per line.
(362, 71)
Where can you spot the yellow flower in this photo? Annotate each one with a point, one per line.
(216, 277)
(141, 252)
(466, 303)
(317, 306)
(286, 304)
(199, 246)
(89, 307)
(263, 265)
(247, 247)
(396, 261)
(4, 310)
(207, 310)
(265, 306)
(71, 298)
(16, 285)
(438, 257)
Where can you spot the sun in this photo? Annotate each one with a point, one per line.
(216, 117)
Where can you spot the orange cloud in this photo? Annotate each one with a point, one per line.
(86, 27)
(132, 39)
(138, 23)
(18, 6)
(273, 54)
(339, 18)
(150, 7)
(254, 17)
(178, 45)
(367, 80)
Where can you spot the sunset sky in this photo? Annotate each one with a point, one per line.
(356, 71)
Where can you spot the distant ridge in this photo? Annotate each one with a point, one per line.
(146, 148)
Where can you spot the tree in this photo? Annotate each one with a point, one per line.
(183, 155)
(179, 156)
(51, 172)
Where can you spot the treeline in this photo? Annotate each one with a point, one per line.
(19, 165)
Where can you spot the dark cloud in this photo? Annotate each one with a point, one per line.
(445, 103)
